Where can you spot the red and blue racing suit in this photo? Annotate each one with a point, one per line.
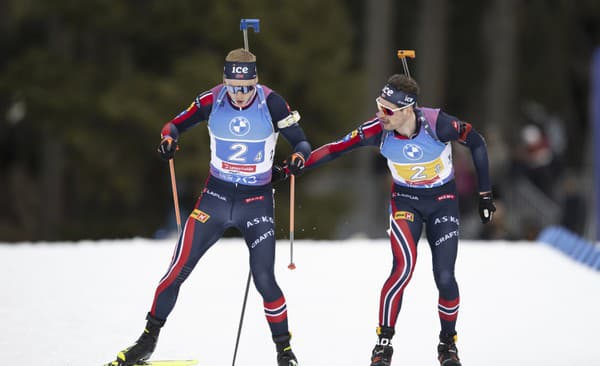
(423, 192)
(237, 193)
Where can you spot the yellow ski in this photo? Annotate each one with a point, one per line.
(171, 363)
(163, 363)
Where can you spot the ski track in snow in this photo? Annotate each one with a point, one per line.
(77, 304)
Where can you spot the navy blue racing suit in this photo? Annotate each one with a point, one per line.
(237, 193)
(423, 192)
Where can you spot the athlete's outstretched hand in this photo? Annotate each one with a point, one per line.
(167, 148)
(278, 174)
(486, 207)
(295, 163)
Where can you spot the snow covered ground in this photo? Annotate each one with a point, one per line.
(78, 304)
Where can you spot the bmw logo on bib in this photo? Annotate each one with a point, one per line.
(412, 152)
(239, 126)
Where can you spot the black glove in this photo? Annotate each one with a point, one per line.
(278, 174)
(486, 207)
(295, 164)
(167, 148)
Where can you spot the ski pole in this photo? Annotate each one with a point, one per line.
(244, 25)
(292, 265)
(239, 332)
(402, 55)
(175, 198)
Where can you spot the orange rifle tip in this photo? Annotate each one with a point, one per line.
(292, 266)
(406, 53)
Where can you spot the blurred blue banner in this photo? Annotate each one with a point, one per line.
(595, 115)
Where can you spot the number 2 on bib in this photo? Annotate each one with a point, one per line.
(239, 151)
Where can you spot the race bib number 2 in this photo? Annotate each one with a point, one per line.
(241, 152)
(419, 172)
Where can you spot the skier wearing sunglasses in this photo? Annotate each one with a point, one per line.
(244, 120)
(416, 141)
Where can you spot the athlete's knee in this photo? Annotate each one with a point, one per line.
(399, 265)
(264, 282)
(183, 275)
(444, 278)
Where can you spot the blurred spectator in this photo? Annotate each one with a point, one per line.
(535, 159)
(553, 125)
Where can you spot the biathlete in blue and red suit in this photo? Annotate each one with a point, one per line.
(244, 120)
(416, 142)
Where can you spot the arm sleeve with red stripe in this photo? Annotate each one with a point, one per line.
(367, 134)
(197, 112)
(450, 128)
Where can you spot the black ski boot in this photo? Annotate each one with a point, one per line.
(142, 349)
(285, 356)
(447, 352)
(382, 353)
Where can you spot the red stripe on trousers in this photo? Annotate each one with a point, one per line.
(447, 317)
(400, 267)
(272, 306)
(185, 253)
(413, 252)
(276, 319)
(449, 304)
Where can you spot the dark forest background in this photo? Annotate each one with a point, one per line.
(85, 87)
